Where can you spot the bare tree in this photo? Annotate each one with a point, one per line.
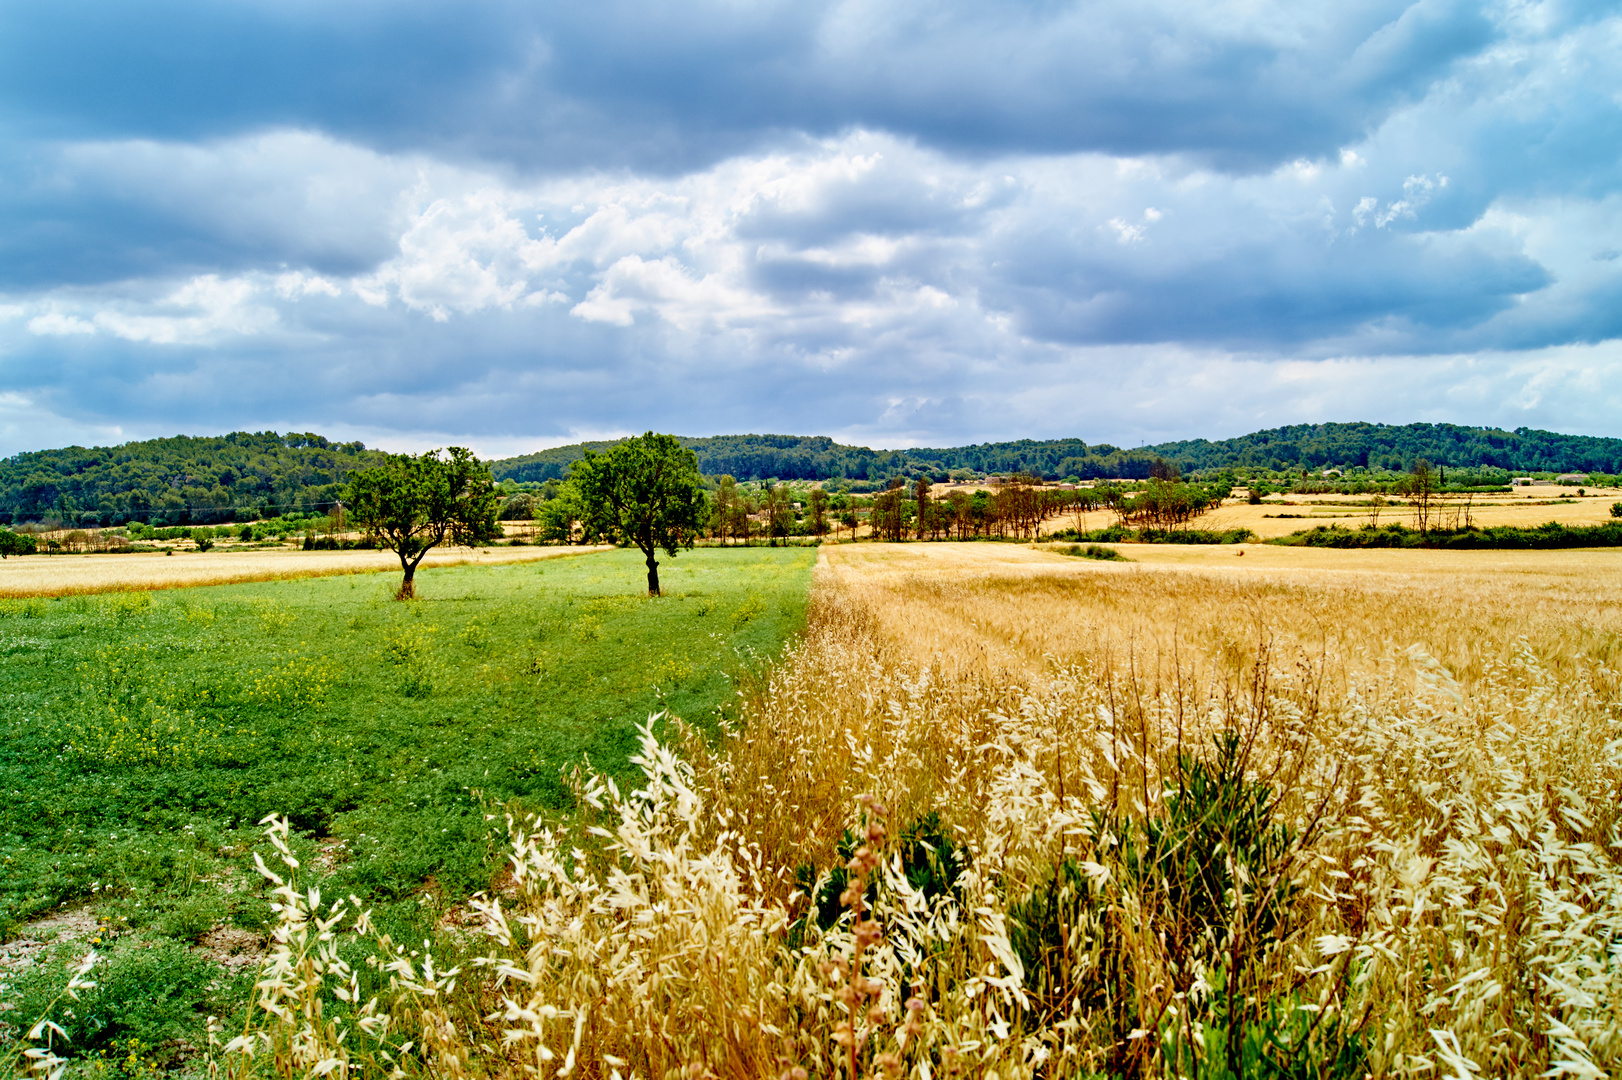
(1420, 488)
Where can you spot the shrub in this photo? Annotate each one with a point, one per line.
(1093, 551)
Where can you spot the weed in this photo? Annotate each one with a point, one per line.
(125, 605)
(747, 611)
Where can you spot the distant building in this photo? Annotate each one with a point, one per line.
(1521, 481)
(1572, 478)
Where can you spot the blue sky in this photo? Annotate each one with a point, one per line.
(511, 225)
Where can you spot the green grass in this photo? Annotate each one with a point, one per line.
(143, 736)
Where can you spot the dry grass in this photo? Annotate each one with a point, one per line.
(1182, 820)
(68, 575)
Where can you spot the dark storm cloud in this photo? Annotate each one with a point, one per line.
(491, 222)
(667, 87)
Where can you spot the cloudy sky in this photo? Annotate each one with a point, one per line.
(512, 225)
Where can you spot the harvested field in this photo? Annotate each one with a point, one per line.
(69, 575)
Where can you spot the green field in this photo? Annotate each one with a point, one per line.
(143, 736)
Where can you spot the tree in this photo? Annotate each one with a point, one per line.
(15, 543)
(412, 504)
(644, 491)
(560, 516)
(920, 494)
(1421, 488)
(895, 509)
(819, 512)
(779, 509)
(726, 498)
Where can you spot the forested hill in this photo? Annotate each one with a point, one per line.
(186, 480)
(746, 457)
(1398, 447)
(183, 480)
(800, 457)
(1378, 446)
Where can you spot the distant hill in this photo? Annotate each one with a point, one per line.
(746, 457)
(804, 457)
(180, 481)
(187, 480)
(1395, 447)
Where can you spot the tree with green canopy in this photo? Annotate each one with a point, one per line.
(15, 543)
(413, 503)
(645, 491)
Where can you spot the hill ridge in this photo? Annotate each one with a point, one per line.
(187, 479)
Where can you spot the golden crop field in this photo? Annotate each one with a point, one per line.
(1011, 607)
(66, 575)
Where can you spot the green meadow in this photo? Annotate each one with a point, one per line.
(144, 735)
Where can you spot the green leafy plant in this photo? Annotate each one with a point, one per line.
(150, 991)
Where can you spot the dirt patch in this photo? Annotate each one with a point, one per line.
(34, 938)
(331, 853)
(232, 948)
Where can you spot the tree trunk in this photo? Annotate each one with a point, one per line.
(653, 575)
(408, 588)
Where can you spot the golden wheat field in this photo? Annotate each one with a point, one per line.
(1003, 813)
(1282, 515)
(1012, 608)
(66, 575)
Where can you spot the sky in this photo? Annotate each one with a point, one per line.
(514, 225)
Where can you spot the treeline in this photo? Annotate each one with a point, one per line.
(799, 457)
(180, 481)
(1315, 447)
(746, 457)
(746, 512)
(1553, 534)
(1394, 448)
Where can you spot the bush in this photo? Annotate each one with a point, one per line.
(1093, 551)
(1616, 510)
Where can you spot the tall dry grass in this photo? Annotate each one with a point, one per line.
(1313, 859)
